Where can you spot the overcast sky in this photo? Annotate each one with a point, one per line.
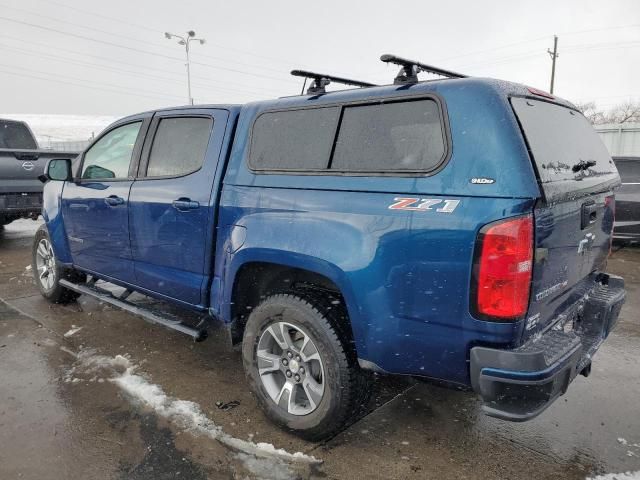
(111, 58)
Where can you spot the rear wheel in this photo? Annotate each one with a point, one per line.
(47, 273)
(303, 372)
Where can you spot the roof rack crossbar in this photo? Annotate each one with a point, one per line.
(321, 80)
(409, 70)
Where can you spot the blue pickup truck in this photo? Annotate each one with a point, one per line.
(455, 229)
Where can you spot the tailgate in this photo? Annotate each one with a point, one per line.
(19, 169)
(574, 219)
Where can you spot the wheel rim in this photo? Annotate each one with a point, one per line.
(45, 264)
(290, 368)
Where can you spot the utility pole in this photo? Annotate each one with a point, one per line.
(186, 40)
(554, 55)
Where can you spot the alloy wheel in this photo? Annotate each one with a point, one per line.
(46, 264)
(290, 368)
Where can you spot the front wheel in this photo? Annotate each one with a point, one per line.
(299, 365)
(46, 271)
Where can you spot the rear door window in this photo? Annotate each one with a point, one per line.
(293, 139)
(110, 157)
(179, 146)
(391, 137)
(16, 135)
(568, 153)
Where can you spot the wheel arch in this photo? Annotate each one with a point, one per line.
(253, 277)
(54, 221)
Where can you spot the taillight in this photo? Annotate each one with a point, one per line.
(502, 269)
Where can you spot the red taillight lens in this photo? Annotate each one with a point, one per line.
(503, 265)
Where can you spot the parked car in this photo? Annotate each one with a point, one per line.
(454, 229)
(627, 225)
(21, 162)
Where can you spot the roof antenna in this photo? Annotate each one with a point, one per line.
(321, 80)
(409, 70)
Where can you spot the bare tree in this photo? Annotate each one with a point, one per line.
(626, 112)
(590, 110)
(623, 113)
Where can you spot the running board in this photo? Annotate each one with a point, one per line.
(198, 334)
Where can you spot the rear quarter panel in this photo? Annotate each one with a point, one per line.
(404, 275)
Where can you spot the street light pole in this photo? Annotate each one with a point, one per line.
(186, 40)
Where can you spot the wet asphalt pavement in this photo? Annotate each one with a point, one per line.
(107, 402)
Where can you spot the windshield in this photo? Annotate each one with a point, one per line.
(568, 154)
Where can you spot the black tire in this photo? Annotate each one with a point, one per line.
(346, 387)
(55, 292)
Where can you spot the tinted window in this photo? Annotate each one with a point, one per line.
(629, 170)
(390, 137)
(568, 153)
(179, 146)
(294, 139)
(110, 156)
(16, 135)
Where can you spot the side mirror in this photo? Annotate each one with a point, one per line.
(58, 169)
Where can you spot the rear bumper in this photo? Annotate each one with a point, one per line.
(519, 384)
(20, 204)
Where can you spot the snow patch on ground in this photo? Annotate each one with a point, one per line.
(73, 331)
(617, 476)
(187, 415)
(24, 226)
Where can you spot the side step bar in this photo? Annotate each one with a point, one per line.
(89, 288)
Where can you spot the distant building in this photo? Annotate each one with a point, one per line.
(65, 146)
(622, 139)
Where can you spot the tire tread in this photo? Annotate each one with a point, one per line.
(331, 317)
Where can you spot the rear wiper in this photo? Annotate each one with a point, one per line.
(582, 165)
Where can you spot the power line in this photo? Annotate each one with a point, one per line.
(538, 39)
(117, 70)
(145, 27)
(93, 82)
(164, 71)
(522, 56)
(576, 48)
(479, 52)
(138, 50)
(48, 78)
(106, 17)
(602, 46)
(600, 29)
(91, 28)
(502, 60)
(133, 39)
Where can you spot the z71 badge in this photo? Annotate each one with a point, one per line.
(424, 204)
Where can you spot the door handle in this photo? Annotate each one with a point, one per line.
(114, 200)
(79, 206)
(183, 204)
